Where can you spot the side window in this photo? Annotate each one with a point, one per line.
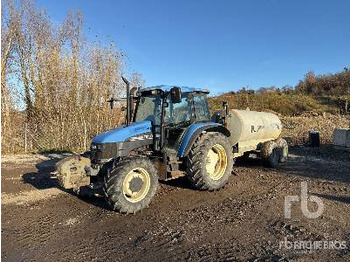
(179, 112)
(201, 107)
(149, 108)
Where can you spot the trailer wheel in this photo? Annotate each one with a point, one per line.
(130, 185)
(283, 147)
(270, 154)
(210, 161)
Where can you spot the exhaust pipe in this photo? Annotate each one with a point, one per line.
(128, 102)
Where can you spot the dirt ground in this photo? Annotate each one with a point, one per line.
(242, 222)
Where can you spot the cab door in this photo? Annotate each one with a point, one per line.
(177, 117)
(201, 107)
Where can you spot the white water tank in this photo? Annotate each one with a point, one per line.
(246, 126)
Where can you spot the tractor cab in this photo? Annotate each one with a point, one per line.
(171, 111)
(156, 121)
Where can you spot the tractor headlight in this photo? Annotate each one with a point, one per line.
(101, 152)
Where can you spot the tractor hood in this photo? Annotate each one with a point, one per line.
(122, 133)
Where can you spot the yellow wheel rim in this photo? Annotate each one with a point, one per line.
(136, 185)
(216, 162)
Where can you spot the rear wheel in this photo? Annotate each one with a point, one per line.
(210, 162)
(131, 184)
(270, 154)
(283, 147)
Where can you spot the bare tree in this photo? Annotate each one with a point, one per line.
(66, 80)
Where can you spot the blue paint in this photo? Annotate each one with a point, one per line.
(122, 133)
(184, 89)
(190, 131)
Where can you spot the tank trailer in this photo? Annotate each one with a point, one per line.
(169, 132)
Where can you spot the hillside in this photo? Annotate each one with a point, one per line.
(287, 104)
(315, 93)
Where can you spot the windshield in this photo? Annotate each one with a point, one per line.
(149, 108)
(180, 112)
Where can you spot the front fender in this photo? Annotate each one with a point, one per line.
(194, 130)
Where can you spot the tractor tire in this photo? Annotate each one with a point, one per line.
(270, 154)
(210, 161)
(283, 147)
(130, 185)
(84, 192)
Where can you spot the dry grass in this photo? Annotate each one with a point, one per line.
(287, 104)
(297, 128)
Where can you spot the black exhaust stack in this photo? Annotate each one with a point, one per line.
(128, 102)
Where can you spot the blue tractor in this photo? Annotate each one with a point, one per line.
(168, 133)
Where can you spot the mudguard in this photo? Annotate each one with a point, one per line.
(194, 130)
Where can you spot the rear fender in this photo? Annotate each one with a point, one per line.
(194, 130)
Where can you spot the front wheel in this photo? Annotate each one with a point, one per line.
(210, 161)
(130, 185)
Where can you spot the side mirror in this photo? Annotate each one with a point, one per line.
(111, 102)
(175, 94)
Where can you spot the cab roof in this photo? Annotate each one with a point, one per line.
(184, 89)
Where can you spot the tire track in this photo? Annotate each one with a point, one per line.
(28, 197)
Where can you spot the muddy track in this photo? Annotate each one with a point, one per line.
(242, 222)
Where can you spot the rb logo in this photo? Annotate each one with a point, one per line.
(304, 199)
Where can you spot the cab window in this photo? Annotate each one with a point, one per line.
(149, 108)
(179, 112)
(201, 107)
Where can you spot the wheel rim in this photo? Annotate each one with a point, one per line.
(136, 185)
(216, 162)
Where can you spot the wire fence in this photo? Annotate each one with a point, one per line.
(23, 135)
